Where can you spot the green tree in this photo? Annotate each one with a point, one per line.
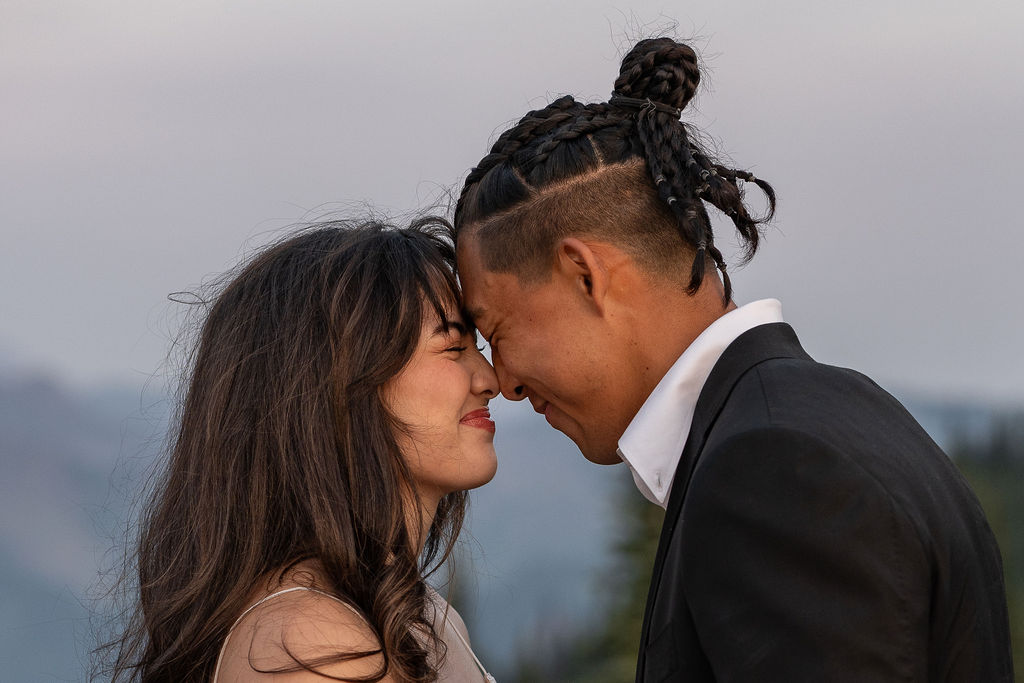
(994, 466)
(606, 651)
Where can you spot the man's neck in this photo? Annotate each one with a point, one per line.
(668, 321)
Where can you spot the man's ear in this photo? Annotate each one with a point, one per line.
(583, 268)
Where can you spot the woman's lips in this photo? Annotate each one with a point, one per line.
(480, 418)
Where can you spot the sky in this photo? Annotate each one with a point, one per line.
(147, 147)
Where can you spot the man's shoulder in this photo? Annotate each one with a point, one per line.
(843, 411)
(794, 391)
(802, 409)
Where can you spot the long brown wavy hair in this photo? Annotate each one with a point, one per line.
(283, 450)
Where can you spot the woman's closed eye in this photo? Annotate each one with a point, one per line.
(459, 337)
(465, 342)
(461, 340)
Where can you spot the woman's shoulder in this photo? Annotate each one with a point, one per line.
(292, 624)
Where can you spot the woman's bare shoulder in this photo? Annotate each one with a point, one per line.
(296, 625)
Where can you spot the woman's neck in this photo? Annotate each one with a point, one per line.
(420, 518)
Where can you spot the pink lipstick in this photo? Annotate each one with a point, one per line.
(481, 418)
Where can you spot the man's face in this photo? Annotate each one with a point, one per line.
(549, 347)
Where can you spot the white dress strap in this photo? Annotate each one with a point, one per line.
(488, 677)
(250, 608)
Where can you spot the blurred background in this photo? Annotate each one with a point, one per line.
(147, 147)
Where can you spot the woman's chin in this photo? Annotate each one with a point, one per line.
(486, 471)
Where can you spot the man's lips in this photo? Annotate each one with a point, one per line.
(481, 417)
(544, 408)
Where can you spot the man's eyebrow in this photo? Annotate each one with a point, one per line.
(472, 315)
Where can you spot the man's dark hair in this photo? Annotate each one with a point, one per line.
(627, 170)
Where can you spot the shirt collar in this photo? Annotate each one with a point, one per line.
(653, 442)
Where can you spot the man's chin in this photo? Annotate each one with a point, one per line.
(593, 452)
(599, 456)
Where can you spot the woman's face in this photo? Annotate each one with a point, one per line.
(441, 395)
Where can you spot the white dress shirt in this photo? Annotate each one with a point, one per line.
(653, 442)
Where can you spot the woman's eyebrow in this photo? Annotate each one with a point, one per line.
(446, 326)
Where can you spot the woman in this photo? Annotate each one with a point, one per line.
(335, 415)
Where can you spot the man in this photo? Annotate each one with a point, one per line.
(813, 530)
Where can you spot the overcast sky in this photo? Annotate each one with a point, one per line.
(146, 147)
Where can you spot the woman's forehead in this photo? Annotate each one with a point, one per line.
(441, 311)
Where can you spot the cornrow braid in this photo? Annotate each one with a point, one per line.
(534, 124)
(639, 123)
(593, 118)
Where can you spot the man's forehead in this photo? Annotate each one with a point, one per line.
(487, 299)
(478, 287)
(486, 294)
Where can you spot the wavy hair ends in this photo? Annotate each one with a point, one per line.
(283, 450)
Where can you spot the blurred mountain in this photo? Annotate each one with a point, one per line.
(533, 559)
(59, 513)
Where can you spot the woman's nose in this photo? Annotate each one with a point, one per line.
(485, 381)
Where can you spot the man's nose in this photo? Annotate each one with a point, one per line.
(508, 384)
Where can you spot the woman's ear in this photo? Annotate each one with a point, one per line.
(583, 269)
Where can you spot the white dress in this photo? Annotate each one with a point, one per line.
(461, 665)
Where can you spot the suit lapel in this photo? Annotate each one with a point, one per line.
(764, 342)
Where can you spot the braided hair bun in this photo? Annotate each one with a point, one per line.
(657, 79)
(660, 70)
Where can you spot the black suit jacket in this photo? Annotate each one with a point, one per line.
(815, 532)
